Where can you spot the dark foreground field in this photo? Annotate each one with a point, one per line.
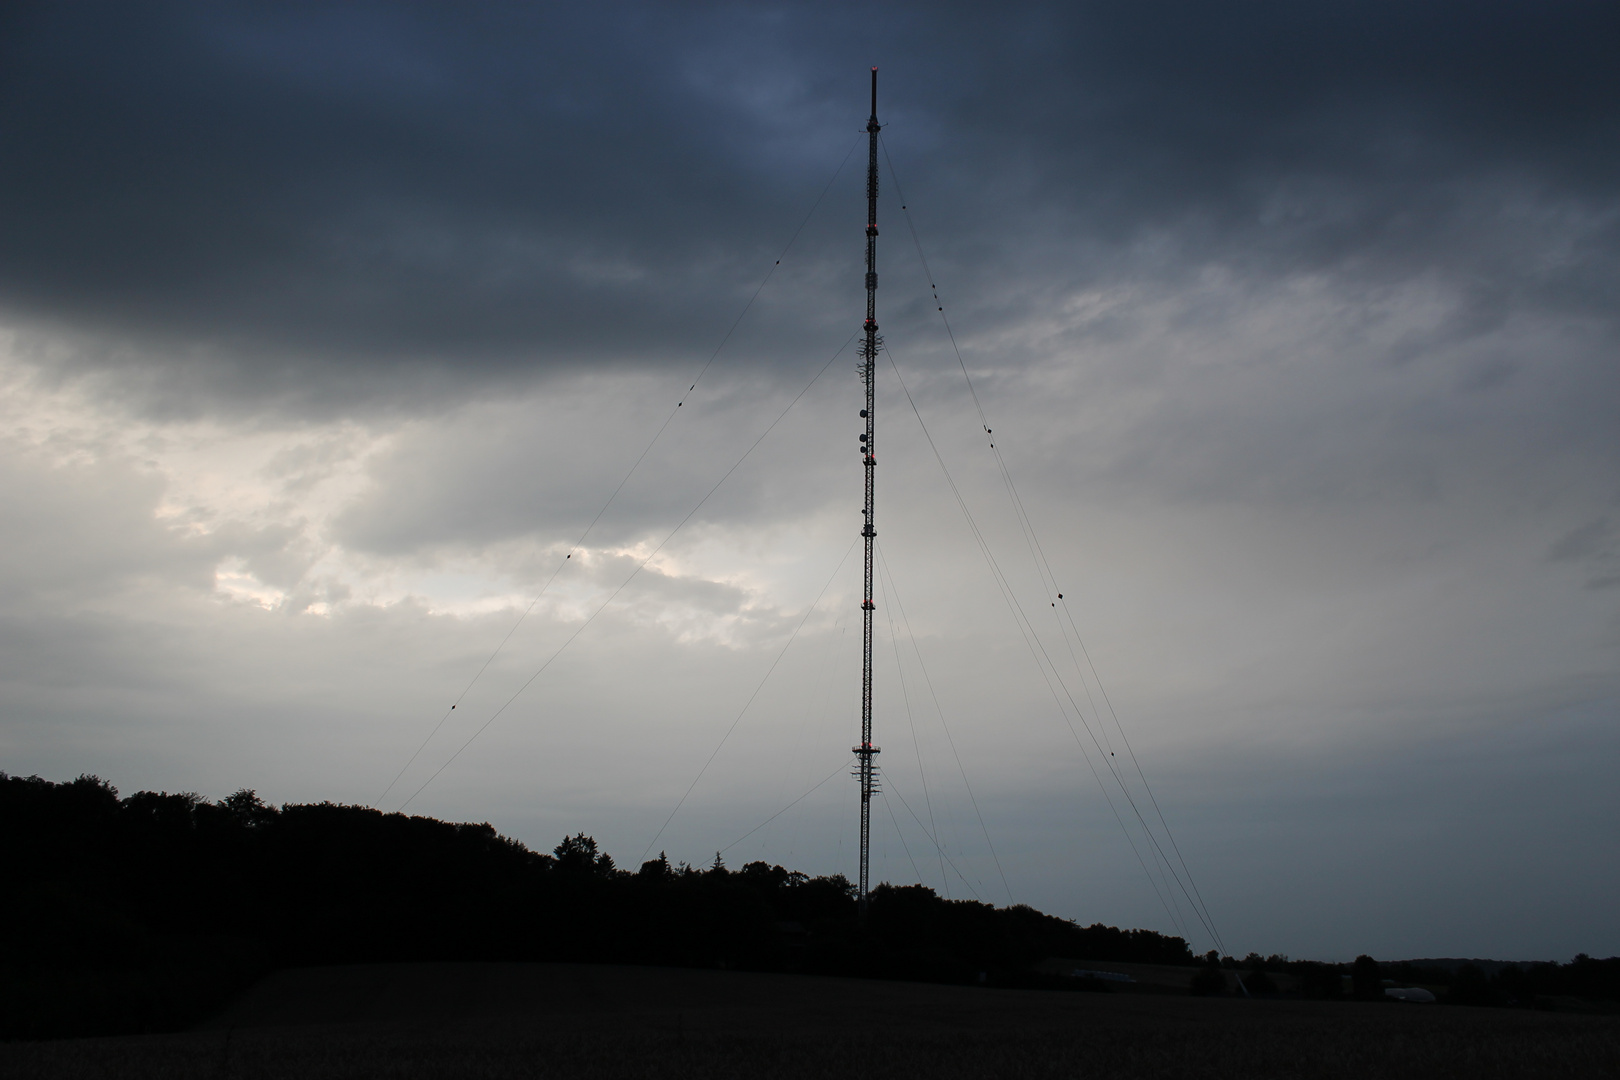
(565, 1020)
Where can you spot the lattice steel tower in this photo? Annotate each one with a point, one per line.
(866, 771)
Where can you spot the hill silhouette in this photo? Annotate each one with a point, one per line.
(144, 912)
(148, 913)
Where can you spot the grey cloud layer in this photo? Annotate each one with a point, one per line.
(284, 202)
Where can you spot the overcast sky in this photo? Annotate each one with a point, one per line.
(327, 330)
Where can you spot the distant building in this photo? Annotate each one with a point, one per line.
(1110, 976)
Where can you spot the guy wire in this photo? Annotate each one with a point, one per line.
(1049, 581)
(626, 479)
(744, 710)
(640, 566)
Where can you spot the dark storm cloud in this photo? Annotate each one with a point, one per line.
(1596, 545)
(300, 199)
(342, 182)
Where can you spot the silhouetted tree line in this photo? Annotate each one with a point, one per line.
(1534, 985)
(143, 913)
(1457, 982)
(148, 912)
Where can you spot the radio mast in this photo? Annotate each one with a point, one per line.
(866, 771)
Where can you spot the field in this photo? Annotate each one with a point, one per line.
(544, 1020)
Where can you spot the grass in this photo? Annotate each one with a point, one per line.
(579, 1021)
